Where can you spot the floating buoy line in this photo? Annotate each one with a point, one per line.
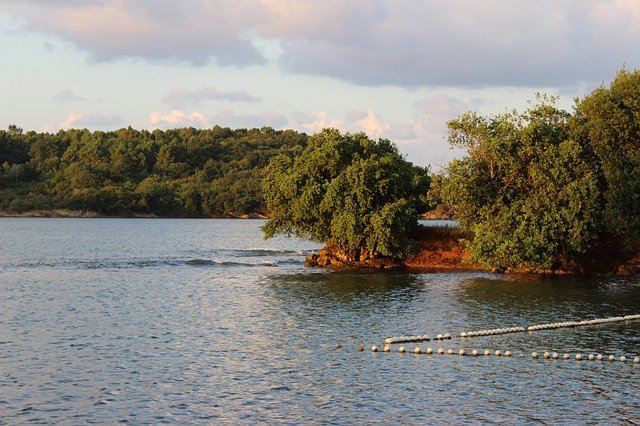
(486, 352)
(498, 331)
(519, 329)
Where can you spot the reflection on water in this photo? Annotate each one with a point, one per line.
(356, 290)
(536, 299)
(147, 336)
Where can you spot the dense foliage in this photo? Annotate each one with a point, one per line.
(350, 191)
(183, 172)
(609, 119)
(540, 189)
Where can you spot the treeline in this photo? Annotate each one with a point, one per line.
(179, 173)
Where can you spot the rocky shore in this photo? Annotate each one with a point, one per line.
(443, 249)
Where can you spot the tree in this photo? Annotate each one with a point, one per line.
(348, 191)
(610, 120)
(527, 189)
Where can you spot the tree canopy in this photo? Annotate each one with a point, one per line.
(542, 188)
(349, 191)
(609, 120)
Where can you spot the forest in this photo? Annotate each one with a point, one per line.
(183, 172)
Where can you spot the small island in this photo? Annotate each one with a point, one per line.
(544, 191)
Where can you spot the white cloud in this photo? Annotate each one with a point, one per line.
(182, 97)
(177, 118)
(373, 125)
(94, 121)
(314, 121)
(224, 118)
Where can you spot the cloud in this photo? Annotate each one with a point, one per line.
(422, 138)
(95, 121)
(250, 120)
(225, 118)
(406, 43)
(314, 121)
(468, 43)
(68, 96)
(182, 97)
(192, 31)
(177, 118)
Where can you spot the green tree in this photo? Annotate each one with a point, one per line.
(348, 191)
(527, 189)
(610, 120)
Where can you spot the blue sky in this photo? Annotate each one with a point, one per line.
(392, 68)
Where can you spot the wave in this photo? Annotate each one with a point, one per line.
(262, 252)
(158, 263)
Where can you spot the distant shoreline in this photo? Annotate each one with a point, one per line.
(82, 214)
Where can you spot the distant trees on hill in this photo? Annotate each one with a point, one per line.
(182, 172)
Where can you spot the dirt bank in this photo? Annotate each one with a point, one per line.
(443, 249)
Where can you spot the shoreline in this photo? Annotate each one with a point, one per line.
(443, 250)
(85, 214)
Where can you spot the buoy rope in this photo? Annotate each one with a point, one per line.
(498, 353)
(498, 331)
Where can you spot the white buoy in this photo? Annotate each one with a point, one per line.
(507, 353)
(545, 355)
(599, 357)
(441, 351)
(636, 360)
(450, 352)
(497, 353)
(474, 352)
(566, 356)
(578, 357)
(534, 354)
(402, 349)
(591, 357)
(387, 348)
(388, 341)
(447, 336)
(374, 348)
(611, 358)
(623, 358)
(461, 352)
(439, 336)
(463, 334)
(554, 355)
(429, 351)
(486, 352)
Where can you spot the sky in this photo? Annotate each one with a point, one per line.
(397, 69)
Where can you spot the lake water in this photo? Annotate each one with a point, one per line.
(202, 321)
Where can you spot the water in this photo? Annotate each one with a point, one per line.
(202, 321)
